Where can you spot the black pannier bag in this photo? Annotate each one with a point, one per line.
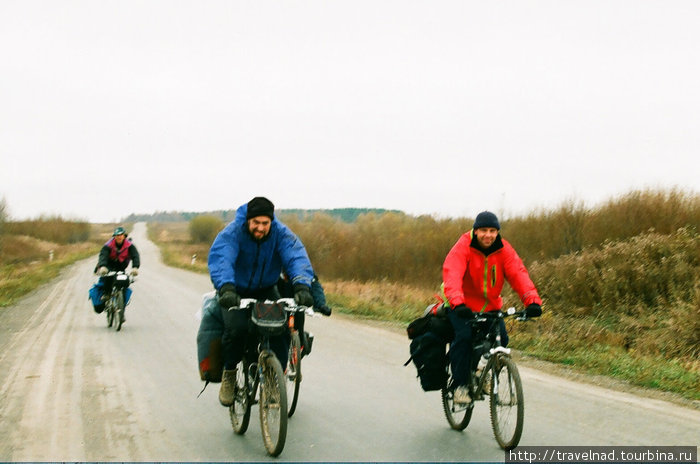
(428, 353)
(429, 337)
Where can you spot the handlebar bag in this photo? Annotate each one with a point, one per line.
(121, 281)
(269, 317)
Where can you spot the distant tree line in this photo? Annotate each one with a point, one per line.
(342, 214)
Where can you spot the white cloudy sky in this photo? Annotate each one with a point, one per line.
(437, 107)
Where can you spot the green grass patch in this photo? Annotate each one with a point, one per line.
(19, 280)
(644, 371)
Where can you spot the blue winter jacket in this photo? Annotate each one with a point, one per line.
(237, 259)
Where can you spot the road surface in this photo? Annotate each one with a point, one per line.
(73, 390)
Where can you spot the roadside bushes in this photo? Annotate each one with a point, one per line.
(51, 229)
(572, 227)
(408, 249)
(203, 229)
(641, 294)
(392, 246)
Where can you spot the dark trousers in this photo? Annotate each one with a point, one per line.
(107, 284)
(462, 361)
(236, 331)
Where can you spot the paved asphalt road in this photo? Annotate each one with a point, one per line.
(73, 390)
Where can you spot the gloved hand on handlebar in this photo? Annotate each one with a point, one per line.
(533, 310)
(102, 271)
(325, 310)
(462, 311)
(134, 271)
(228, 298)
(302, 295)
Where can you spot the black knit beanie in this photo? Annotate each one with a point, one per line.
(260, 206)
(486, 219)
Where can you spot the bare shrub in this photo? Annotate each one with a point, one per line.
(645, 288)
(52, 229)
(203, 229)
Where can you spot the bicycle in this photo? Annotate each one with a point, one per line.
(495, 376)
(115, 300)
(260, 379)
(296, 351)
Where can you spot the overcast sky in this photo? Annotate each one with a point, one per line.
(431, 107)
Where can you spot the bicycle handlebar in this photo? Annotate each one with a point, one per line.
(118, 273)
(519, 315)
(288, 304)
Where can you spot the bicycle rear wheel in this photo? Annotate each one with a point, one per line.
(242, 399)
(458, 415)
(293, 374)
(118, 310)
(273, 404)
(507, 403)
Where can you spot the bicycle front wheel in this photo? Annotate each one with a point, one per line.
(242, 399)
(118, 310)
(293, 374)
(109, 312)
(507, 403)
(458, 415)
(273, 404)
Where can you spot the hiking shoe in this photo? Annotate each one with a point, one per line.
(228, 383)
(461, 395)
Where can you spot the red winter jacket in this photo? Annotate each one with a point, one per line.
(476, 280)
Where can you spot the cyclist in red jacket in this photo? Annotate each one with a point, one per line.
(473, 274)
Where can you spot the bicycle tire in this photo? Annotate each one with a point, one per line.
(293, 374)
(506, 394)
(273, 404)
(458, 416)
(239, 411)
(118, 310)
(109, 312)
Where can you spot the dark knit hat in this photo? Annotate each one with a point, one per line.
(260, 206)
(486, 219)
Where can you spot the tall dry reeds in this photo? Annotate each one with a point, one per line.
(411, 250)
(51, 229)
(572, 227)
(390, 246)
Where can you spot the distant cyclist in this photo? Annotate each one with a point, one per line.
(245, 261)
(116, 255)
(473, 274)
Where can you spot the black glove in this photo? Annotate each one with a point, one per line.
(302, 295)
(463, 312)
(325, 310)
(534, 310)
(228, 298)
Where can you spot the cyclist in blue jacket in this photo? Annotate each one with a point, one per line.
(245, 261)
